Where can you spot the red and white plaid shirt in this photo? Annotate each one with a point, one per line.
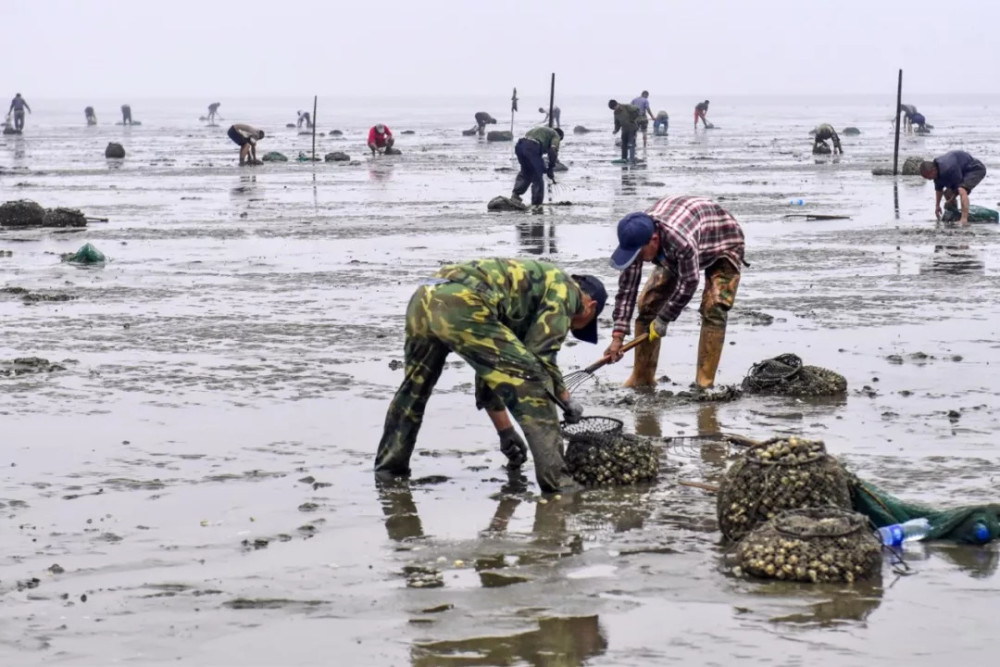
(694, 233)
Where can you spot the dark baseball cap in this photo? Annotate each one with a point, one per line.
(595, 290)
(634, 231)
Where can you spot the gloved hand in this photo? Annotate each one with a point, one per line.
(658, 329)
(573, 411)
(551, 174)
(513, 447)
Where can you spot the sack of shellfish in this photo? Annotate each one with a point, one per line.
(785, 375)
(599, 454)
(777, 475)
(811, 545)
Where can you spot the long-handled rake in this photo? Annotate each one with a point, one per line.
(575, 379)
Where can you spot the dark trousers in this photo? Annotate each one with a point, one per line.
(529, 156)
(19, 119)
(628, 143)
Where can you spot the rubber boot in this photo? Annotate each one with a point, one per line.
(709, 353)
(545, 443)
(646, 356)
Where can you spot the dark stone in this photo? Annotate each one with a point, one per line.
(289, 125)
(499, 135)
(851, 132)
(821, 149)
(22, 213)
(274, 156)
(407, 132)
(65, 217)
(911, 166)
(10, 130)
(336, 133)
(491, 579)
(114, 151)
(580, 129)
(393, 151)
(881, 171)
(28, 366)
(337, 156)
(470, 133)
(505, 204)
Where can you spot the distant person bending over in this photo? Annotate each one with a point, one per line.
(90, 115)
(626, 120)
(661, 124)
(823, 133)
(304, 117)
(126, 114)
(537, 141)
(556, 114)
(482, 120)
(246, 137)
(213, 111)
(956, 173)
(380, 138)
(908, 111)
(700, 111)
(920, 121)
(642, 104)
(18, 105)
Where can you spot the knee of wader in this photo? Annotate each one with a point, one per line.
(715, 317)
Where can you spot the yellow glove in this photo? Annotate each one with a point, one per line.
(657, 330)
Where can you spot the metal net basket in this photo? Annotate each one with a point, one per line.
(589, 427)
(815, 545)
(600, 454)
(778, 475)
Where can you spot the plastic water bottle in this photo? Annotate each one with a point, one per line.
(908, 531)
(797, 202)
(981, 532)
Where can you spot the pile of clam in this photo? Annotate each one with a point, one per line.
(617, 459)
(779, 474)
(815, 545)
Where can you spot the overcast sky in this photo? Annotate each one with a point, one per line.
(218, 48)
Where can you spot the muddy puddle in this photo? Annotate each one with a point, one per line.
(189, 478)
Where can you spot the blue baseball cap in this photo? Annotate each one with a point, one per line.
(634, 231)
(595, 290)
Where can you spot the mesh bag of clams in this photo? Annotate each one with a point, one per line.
(599, 454)
(776, 475)
(811, 545)
(785, 375)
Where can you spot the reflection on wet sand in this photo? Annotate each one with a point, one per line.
(537, 236)
(380, 173)
(247, 184)
(954, 260)
(558, 642)
(853, 604)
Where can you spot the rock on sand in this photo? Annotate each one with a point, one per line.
(114, 151)
(337, 156)
(499, 135)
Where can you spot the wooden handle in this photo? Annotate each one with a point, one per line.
(625, 348)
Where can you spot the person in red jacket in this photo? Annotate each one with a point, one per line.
(380, 138)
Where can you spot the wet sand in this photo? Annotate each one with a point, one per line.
(200, 472)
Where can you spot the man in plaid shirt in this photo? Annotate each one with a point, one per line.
(682, 236)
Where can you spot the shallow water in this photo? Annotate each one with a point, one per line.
(201, 469)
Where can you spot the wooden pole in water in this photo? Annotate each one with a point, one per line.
(899, 107)
(315, 98)
(552, 97)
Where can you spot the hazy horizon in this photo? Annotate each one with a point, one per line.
(59, 49)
